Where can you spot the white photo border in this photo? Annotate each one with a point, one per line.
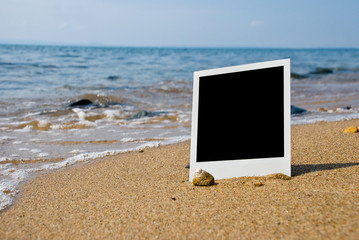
(251, 167)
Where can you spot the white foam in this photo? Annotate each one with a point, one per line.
(88, 123)
(6, 199)
(29, 103)
(325, 117)
(35, 150)
(28, 128)
(80, 114)
(85, 134)
(2, 159)
(6, 138)
(112, 114)
(8, 187)
(43, 123)
(130, 139)
(32, 114)
(44, 154)
(23, 149)
(56, 126)
(77, 151)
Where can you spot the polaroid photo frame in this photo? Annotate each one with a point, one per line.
(241, 120)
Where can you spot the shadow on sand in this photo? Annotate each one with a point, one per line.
(307, 168)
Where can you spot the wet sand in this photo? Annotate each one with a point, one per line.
(146, 195)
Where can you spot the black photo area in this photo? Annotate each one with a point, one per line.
(241, 115)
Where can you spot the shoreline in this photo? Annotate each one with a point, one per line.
(147, 195)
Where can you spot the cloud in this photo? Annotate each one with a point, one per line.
(256, 23)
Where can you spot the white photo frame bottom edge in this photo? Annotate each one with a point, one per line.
(243, 168)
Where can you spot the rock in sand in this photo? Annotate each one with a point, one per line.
(351, 129)
(202, 178)
(278, 176)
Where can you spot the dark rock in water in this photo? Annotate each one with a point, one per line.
(113, 77)
(322, 71)
(81, 103)
(296, 110)
(346, 108)
(85, 103)
(141, 114)
(298, 76)
(145, 113)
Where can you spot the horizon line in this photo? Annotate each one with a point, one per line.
(99, 45)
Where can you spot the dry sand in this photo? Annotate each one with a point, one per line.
(146, 195)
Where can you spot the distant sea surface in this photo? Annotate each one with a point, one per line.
(136, 98)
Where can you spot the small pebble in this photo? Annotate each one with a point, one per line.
(278, 176)
(351, 129)
(258, 184)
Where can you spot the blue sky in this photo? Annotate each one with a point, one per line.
(198, 23)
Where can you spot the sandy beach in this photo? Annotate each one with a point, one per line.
(146, 195)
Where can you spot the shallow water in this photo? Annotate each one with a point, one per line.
(141, 98)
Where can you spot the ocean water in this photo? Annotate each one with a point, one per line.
(140, 97)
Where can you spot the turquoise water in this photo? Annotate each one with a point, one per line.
(32, 71)
(141, 97)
